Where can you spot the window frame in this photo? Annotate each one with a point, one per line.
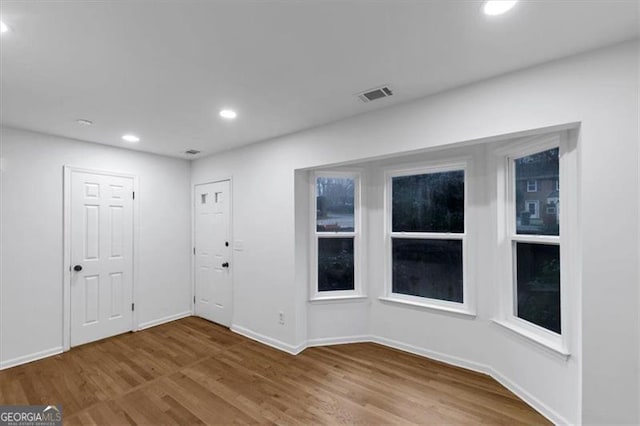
(467, 307)
(508, 237)
(356, 234)
(535, 185)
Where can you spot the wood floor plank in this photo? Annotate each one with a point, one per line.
(193, 372)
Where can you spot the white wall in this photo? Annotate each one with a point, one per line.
(32, 215)
(598, 90)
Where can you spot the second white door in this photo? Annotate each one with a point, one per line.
(213, 284)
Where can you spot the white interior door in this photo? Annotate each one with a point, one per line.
(101, 237)
(213, 284)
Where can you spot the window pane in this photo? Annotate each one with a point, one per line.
(428, 268)
(334, 202)
(335, 264)
(538, 284)
(431, 202)
(538, 193)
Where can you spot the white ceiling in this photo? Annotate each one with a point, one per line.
(163, 69)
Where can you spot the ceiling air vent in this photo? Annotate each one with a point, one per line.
(373, 94)
(192, 152)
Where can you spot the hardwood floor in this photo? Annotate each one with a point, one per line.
(194, 372)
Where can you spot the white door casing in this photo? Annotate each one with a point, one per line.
(213, 282)
(99, 217)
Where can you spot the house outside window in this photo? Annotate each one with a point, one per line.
(537, 199)
(532, 208)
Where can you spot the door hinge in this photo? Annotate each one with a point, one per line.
(134, 195)
(194, 250)
(133, 306)
(194, 299)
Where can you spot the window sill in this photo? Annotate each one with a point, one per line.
(547, 344)
(333, 299)
(430, 306)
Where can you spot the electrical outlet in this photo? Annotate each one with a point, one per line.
(281, 318)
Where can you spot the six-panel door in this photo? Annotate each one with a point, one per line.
(101, 256)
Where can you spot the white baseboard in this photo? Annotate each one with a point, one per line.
(30, 358)
(534, 402)
(438, 356)
(269, 341)
(166, 319)
(329, 341)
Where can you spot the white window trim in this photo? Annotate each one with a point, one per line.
(358, 291)
(535, 185)
(557, 343)
(467, 307)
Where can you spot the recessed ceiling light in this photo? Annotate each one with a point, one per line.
(3, 27)
(131, 138)
(84, 122)
(498, 7)
(229, 114)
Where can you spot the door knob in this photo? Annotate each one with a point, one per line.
(225, 265)
(77, 268)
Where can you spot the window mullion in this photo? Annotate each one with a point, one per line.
(428, 235)
(536, 239)
(335, 234)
